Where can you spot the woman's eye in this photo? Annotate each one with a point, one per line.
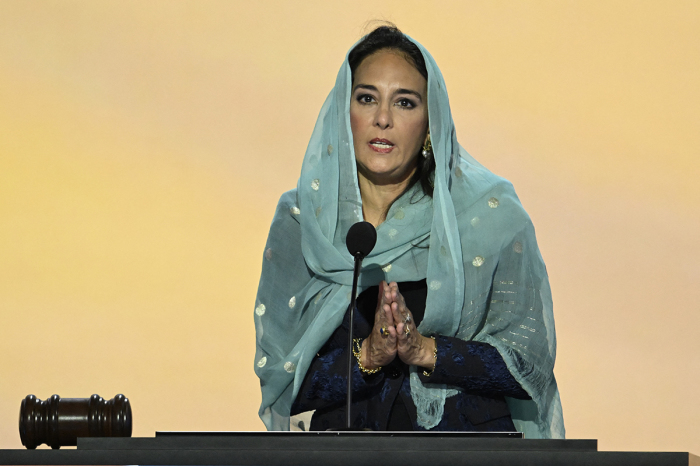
(405, 103)
(365, 99)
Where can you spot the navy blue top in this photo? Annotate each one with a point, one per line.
(382, 401)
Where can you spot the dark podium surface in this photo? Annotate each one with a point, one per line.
(340, 449)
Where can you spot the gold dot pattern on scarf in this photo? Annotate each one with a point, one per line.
(518, 247)
(318, 211)
(295, 210)
(315, 184)
(435, 285)
(318, 298)
(478, 261)
(268, 254)
(262, 361)
(475, 221)
(260, 310)
(290, 367)
(330, 149)
(400, 214)
(443, 251)
(493, 203)
(292, 302)
(387, 268)
(393, 232)
(458, 172)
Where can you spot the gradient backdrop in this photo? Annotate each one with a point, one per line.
(144, 145)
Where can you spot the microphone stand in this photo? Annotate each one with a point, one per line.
(353, 299)
(360, 241)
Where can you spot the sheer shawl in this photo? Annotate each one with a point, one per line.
(472, 241)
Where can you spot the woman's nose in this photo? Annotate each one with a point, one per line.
(383, 118)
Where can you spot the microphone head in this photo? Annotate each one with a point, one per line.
(361, 239)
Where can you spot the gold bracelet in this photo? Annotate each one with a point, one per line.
(358, 355)
(426, 373)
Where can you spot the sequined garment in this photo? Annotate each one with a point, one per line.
(383, 401)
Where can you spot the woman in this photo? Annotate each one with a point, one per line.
(461, 335)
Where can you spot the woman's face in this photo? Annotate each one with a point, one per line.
(389, 117)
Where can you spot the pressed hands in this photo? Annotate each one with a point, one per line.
(395, 334)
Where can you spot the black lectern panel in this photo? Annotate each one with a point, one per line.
(338, 441)
(338, 449)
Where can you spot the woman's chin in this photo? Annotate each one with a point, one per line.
(383, 174)
(385, 178)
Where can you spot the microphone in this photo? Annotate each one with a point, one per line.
(360, 241)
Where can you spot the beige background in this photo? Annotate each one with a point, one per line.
(144, 145)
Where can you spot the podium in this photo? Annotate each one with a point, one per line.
(340, 449)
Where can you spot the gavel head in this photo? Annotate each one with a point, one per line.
(59, 422)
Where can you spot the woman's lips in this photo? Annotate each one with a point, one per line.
(383, 146)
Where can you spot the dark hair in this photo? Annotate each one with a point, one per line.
(390, 37)
(387, 37)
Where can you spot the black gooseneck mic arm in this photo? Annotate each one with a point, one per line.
(360, 241)
(353, 299)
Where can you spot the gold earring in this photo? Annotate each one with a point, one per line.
(427, 147)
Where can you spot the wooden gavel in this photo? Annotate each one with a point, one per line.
(59, 422)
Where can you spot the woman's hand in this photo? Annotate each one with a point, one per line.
(380, 348)
(412, 347)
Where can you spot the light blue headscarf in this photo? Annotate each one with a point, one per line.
(473, 242)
